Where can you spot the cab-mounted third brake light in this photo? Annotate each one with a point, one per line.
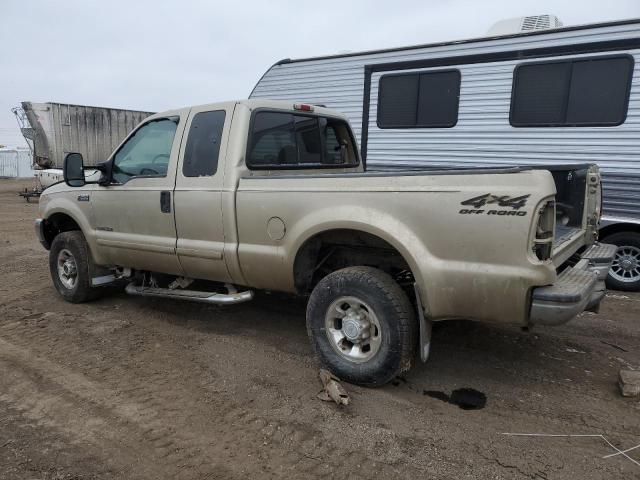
(303, 107)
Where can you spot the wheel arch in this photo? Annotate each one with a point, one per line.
(61, 215)
(619, 227)
(57, 223)
(347, 235)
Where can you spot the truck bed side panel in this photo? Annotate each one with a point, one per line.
(464, 263)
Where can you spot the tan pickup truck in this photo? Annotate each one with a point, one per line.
(207, 203)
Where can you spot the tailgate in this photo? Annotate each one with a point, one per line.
(578, 204)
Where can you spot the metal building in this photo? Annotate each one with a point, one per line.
(56, 129)
(479, 128)
(15, 163)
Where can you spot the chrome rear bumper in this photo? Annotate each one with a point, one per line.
(577, 288)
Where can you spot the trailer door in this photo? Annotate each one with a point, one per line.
(134, 216)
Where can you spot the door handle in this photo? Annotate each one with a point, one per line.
(165, 202)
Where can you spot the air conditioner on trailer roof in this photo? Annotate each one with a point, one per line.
(525, 24)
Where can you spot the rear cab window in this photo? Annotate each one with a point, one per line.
(281, 140)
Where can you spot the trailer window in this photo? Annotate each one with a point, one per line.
(286, 140)
(419, 100)
(147, 152)
(203, 144)
(572, 93)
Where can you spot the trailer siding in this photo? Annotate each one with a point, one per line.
(92, 131)
(483, 134)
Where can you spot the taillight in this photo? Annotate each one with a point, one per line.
(545, 230)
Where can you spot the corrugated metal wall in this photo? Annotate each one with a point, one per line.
(483, 134)
(93, 131)
(15, 163)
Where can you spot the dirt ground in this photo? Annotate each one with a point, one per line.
(135, 388)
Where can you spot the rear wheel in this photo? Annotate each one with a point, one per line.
(362, 325)
(625, 270)
(69, 264)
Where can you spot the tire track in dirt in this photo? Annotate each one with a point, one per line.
(55, 457)
(88, 413)
(173, 436)
(172, 408)
(183, 392)
(237, 423)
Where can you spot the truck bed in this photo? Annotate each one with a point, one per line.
(564, 234)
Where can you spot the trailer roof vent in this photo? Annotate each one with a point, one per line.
(531, 23)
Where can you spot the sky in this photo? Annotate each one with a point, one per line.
(156, 55)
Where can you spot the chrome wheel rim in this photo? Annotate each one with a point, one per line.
(353, 329)
(67, 269)
(626, 264)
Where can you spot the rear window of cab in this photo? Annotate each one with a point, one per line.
(281, 140)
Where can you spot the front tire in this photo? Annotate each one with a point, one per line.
(362, 326)
(625, 271)
(69, 264)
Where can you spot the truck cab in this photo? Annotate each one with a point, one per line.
(178, 168)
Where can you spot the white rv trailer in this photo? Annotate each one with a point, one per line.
(560, 95)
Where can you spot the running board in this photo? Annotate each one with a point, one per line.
(191, 295)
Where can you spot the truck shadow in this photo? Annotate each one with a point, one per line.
(468, 352)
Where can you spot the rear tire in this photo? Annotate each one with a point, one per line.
(362, 326)
(69, 264)
(625, 271)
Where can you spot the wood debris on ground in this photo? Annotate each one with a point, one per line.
(332, 390)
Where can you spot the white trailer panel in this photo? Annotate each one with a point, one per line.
(483, 134)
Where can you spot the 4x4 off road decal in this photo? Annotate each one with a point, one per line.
(515, 203)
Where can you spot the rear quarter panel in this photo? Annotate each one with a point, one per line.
(467, 265)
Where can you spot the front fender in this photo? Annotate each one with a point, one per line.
(74, 205)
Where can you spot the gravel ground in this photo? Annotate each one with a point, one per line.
(135, 388)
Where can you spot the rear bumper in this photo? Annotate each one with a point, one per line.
(577, 288)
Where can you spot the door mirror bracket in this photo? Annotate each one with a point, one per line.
(105, 168)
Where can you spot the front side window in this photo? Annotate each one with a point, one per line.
(286, 140)
(147, 152)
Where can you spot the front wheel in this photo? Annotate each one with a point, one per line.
(69, 264)
(625, 271)
(362, 326)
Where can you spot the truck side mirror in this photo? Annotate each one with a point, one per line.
(73, 170)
